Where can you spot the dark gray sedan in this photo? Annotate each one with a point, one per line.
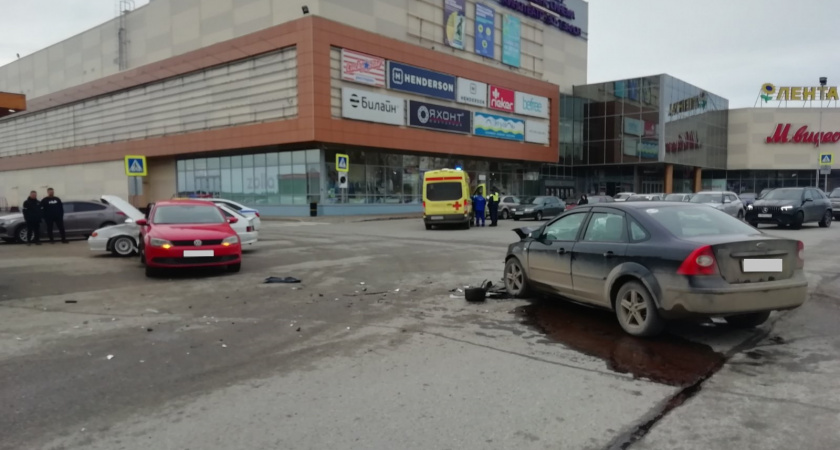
(537, 208)
(81, 218)
(653, 261)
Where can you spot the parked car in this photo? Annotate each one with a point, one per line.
(834, 197)
(188, 233)
(623, 196)
(123, 239)
(654, 261)
(505, 204)
(792, 207)
(678, 197)
(538, 208)
(81, 218)
(748, 198)
(725, 201)
(645, 198)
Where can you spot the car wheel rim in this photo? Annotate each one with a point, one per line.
(634, 309)
(827, 217)
(514, 278)
(22, 235)
(123, 246)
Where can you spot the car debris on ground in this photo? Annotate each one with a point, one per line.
(286, 280)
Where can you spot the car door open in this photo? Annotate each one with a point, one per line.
(550, 256)
(601, 248)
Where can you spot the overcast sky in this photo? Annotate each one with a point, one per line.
(728, 47)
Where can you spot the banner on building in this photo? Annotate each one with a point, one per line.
(402, 77)
(472, 92)
(455, 23)
(485, 31)
(499, 127)
(531, 105)
(437, 117)
(502, 99)
(362, 68)
(372, 107)
(536, 131)
(511, 40)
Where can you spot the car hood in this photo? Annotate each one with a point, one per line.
(525, 232)
(118, 230)
(130, 211)
(184, 232)
(11, 217)
(759, 203)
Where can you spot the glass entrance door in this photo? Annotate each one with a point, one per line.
(651, 187)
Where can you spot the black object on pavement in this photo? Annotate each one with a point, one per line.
(287, 280)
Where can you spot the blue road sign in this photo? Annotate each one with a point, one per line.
(135, 166)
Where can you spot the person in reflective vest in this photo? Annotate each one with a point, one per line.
(493, 201)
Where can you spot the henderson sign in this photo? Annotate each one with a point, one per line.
(802, 136)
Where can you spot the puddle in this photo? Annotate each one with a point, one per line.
(667, 359)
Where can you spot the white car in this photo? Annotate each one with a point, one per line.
(241, 209)
(121, 240)
(623, 196)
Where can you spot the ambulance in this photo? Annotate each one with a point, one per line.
(447, 198)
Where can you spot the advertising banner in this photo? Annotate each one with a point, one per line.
(372, 107)
(633, 127)
(485, 30)
(499, 127)
(502, 99)
(454, 23)
(650, 129)
(362, 68)
(472, 92)
(536, 131)
(511, 44)
(649, 149)
(437, 117)
(531, 105)
(402, 77)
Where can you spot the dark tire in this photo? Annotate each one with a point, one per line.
(234, 268)
(20, 233)
(466, 225)
(122, 246)
(636, 311)
(539, 216)
(516, 219)
(107, 224)
(516, 280)
(428, 226)
(142, 253)
(826, 220)
(151, 272)
(740, 215)
(751, 320)
(754, 224)
(475, 295)
(8, 240)
(800, 219)
(505, 214)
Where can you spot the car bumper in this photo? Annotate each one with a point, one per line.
(175, 256)
(98, 244)
(442, 219)
(735, 299)
(784, 218)
(249, 238)
(523, 214)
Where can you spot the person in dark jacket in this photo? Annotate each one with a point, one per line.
(32, 216)
(584, 200)
(493, 203)
(53, 215)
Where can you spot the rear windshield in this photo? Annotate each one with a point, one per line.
(639, 198)
(784, 194)
(707, 198)
(674, 197)
(690, 221)
(188, 214)
(443, 192)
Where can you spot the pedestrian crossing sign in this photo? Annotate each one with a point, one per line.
(342, 163)
(826, 159)
(135, 166)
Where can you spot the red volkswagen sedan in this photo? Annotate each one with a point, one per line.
(188, 233)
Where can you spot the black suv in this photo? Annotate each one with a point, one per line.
(791, 207)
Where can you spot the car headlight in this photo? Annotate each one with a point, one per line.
(529, 209)
(162, 243)
(750, 207)
(230, 240)
(787, 208)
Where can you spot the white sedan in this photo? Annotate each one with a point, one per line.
(121, 240)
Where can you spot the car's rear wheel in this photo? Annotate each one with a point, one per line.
(750, 320)
(539, 216)
(505, 214)
(516, 219)
(798, 221)
(516, 281)
(826, 220)
(122, 246)
(428, 226)
(234, 268)
(636, 310)
(20, 232)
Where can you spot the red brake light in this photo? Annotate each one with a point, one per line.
(424, 204)
(120, 213)
(700, 262)
(249, 229)
(257, 213)
(800, 255)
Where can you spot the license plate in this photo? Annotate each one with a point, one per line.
(519, 213)
(197, 253)
(765, 216)
(762, 265)
(437, 217)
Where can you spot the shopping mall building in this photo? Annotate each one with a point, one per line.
(254, 102)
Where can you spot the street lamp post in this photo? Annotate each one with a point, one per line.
(823, 82)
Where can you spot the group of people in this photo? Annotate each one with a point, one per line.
(479, 205)
(50, 210)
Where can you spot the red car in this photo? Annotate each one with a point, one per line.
(188, 233)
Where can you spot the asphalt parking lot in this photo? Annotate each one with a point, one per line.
(371, 350)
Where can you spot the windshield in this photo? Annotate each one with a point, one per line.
(687, 221)
(514, 200)
(443, 192)
(187, 214)
(622, 195)
(674, 197)
(529, 200)
(784, 194)
(835, 193)
(707, 198)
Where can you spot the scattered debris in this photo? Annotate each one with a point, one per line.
(298, 330)
(362, 283)
(71, 301)
(153, 311)
(348, 328)
(149, 330)
(718, 320)
(287, 280)
(109, 357)
(396, 290)
(475, 295)
(142, 361)
(224, 345)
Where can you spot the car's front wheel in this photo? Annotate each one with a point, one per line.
(516, 281)
(826, 220)
(505, 214)
(122, 246)
(750, 320)
(636, 310)
(234, 268)
(798, 221)
(151, 272)
(20, 232)
(539, 216)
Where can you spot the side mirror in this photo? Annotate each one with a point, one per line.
(232, 219)
(808, 200)
(142, 222)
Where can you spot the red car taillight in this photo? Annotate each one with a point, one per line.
(257, 213)
(249, 229)
(800, 255)
(120, 213)
(699, 263)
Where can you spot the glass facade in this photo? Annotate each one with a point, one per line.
(695, 130)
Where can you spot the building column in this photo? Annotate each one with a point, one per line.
(698, 179)
(669, 178)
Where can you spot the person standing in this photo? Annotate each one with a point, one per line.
(479, 202)
(584, 200)
(32, 216)
(494, 207)
(53, 215)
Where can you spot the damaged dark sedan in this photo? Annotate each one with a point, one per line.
(654, 261)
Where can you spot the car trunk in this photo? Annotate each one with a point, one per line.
(745, 260)
(444, 198)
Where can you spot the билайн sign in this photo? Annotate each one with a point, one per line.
(798, 93)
